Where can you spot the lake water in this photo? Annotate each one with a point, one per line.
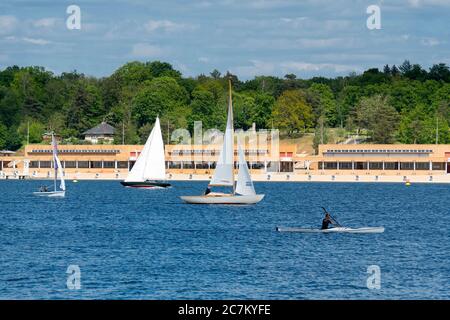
(147, 244)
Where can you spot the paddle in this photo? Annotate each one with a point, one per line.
(332, 218)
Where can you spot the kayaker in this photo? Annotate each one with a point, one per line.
(326, 221)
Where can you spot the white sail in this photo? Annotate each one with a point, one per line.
(57, 165)
(244, 185)
(150, 164)
(224, 173)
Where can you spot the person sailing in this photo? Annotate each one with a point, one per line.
(327, 221)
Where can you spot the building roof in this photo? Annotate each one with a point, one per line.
(102, 129)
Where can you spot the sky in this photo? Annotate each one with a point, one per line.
(246, 37)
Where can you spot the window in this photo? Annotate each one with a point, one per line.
(122, 164)
(34, 164)
(330, 165)
(345, 165)
(406, 165)
(96, 164)
(83, 164)
(70, 164)
(188, 165)
(422, 166)
(174, 165)
(376, 165)
(391, 166)
(46, 164)
(360, 165)
(108, 164)
(438, 166)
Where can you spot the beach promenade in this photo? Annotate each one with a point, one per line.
(400, 177)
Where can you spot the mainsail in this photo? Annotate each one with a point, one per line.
(57, 165)
(150, 164)
(224, 173)
(244, 185)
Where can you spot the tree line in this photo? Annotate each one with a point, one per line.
(404, 104)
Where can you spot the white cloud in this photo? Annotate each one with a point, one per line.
(293, 66)
(8, 24)
(165, 26)
(259, 67)
(421, 3)
(203, 59)
(40, 42)
(145, 50)
(35, 41)
(45, 23)
(430, 42)
(321, 43)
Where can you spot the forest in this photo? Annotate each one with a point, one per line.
(399, 104)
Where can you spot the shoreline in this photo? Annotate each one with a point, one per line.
(269, 177)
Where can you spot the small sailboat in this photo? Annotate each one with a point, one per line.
(149, 171)
(243, 191)
(43, 192)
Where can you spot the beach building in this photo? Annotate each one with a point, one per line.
(355, 162)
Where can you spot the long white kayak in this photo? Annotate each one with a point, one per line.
(333, 230)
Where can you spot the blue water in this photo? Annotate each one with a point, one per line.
(147, 244)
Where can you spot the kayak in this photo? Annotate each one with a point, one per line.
(333, 230)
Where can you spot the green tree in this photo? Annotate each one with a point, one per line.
(320, 134)
(292, 113)
(158, 97)
(439, 72)
(3, 136)
(33, 128)
(204, 109)
(326, 106)
(215, 74)
(85, 110)
(377, 116)
(13, 140)
(261, 114)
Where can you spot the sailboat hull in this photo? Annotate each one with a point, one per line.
(145, 184)
(223, 199)
(51, 194)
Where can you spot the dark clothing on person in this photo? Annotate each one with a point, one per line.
(207, 191)
(325, 223)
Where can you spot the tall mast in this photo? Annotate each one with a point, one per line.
(54, 161)
(230, 114)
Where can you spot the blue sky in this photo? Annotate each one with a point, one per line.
(248, 37)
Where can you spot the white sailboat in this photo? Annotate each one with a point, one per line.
(58, 171)
(243, 191)
(149, 171)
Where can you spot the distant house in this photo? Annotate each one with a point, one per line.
(103, 133)
(6, 153)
